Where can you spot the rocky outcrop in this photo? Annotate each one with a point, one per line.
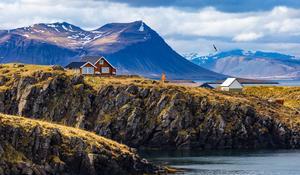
(150, 115)
(31, 147)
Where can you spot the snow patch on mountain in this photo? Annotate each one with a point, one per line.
(64, 27)
(51, 25)
(141, 29)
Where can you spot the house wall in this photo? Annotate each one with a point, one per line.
(231, 89)
(112, 71)
(225, 88)
(236, 85)
(87, 65)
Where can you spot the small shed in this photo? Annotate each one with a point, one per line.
(231, 84)
(206, 85)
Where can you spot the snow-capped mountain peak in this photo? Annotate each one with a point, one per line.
(249, 64)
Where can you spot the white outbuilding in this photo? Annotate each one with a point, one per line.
(231, 84)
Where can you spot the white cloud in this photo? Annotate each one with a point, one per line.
(208, 22)
(205, 46)
(247, 37)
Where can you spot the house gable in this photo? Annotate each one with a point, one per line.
(105, 60)
(232, 83)
(88, 64)
(235, 85)
(104, 67)
(87, 69)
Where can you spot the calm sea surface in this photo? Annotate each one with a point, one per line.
(289, 82)
(281, 82)
(272, 162)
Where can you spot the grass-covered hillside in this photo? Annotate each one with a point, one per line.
(290, 95)
(9, 72)
(37, 147)
(143, 113)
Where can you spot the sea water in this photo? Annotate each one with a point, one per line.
(281, 82)
(264, 162)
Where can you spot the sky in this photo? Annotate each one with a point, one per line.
(187, 25)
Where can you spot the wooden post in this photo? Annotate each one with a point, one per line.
(163, 78)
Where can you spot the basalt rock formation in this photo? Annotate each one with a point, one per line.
(144, 114)
(33, 147)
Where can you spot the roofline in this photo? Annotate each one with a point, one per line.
(73, 63)
(87, 63)
(235, 79)
(102, 57)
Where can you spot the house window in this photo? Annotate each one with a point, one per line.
(105, 70)
(101, 62)
(87, 70)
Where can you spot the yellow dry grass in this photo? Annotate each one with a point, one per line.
(13, 70)
(90, 138)
(290, 95)
(253, 96)
(97, 82)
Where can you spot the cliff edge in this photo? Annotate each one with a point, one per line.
(143, 113)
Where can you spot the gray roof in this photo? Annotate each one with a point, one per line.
(91, 59)
(206, 85)
(228, 82)
(73, 65)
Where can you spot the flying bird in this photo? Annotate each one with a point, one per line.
(215, 48)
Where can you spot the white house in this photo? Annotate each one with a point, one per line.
(231, 84)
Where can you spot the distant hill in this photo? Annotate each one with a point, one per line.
(134, 48)
(247, 64)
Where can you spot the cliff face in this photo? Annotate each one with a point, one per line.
(142, 113)
(34, 147)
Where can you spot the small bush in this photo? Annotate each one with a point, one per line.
(57, 67)
(18, 65)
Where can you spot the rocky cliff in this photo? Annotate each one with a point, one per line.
(143, 113)
(30, 147)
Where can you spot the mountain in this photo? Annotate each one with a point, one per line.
(134, 48)
(248, 64)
